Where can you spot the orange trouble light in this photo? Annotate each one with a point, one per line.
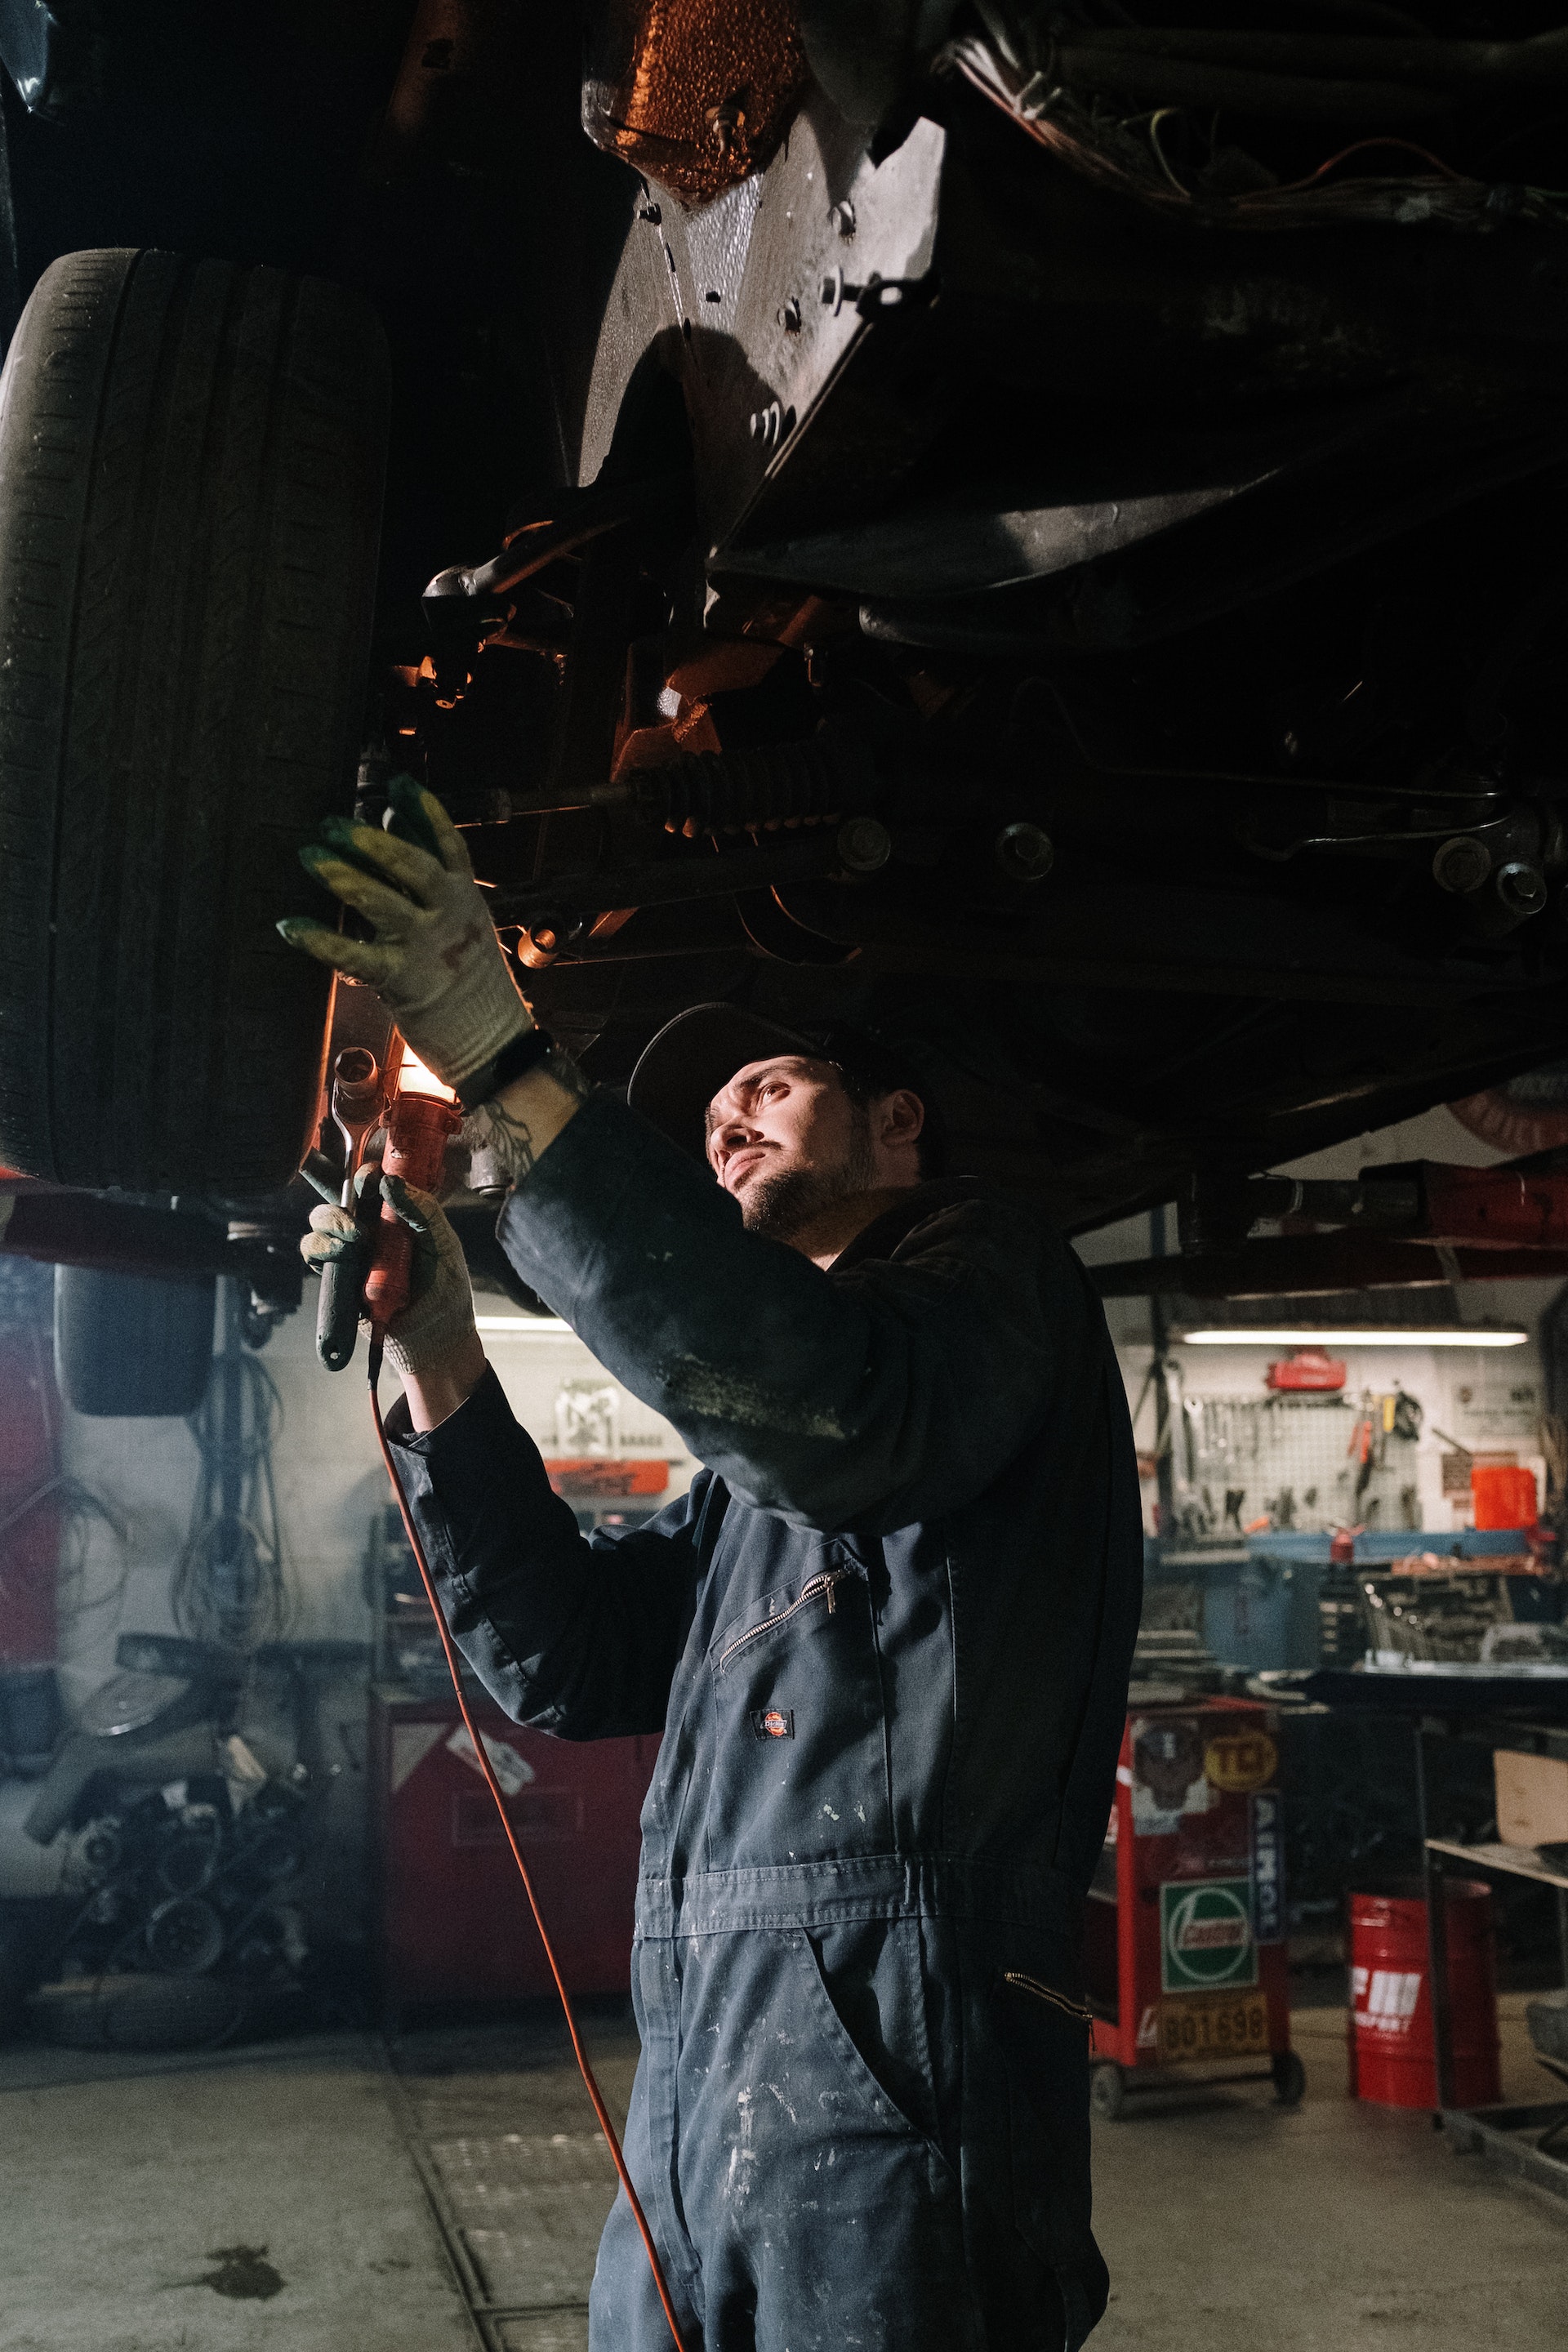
(414, 1079)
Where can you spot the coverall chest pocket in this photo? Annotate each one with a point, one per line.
(800, 1746)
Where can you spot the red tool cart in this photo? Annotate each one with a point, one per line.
(454, 1921)
(1185, 1944)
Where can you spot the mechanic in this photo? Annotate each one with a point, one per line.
(886, 1635)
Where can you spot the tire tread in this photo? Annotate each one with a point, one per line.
(191, 459)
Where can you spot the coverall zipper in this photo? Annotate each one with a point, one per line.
(1077, 2008)
(812, 1591)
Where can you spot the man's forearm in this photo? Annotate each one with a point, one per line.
(514, 1127)
(512, 1130)
(434, 1393)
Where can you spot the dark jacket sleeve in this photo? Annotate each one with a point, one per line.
(577, 1635)
(895, 1392)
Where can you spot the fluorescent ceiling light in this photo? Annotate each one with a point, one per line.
(1449, 1335)
(523, 1327)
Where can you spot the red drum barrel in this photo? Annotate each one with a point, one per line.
(1390, 2056)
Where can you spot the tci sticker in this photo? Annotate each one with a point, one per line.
(1237, 1761)
(1206, 1941)
(1267, 1869)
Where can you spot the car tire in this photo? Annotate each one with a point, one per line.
(128, 1345)
(190, 465)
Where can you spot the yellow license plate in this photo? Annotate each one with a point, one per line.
(1210, 2028)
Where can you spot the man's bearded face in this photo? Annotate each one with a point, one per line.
(787, 1140)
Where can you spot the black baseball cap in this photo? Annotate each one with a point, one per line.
(692, 1057)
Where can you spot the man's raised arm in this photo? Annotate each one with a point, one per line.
(895, 1392)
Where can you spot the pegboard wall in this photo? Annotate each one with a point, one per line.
(1308, 1462)
(1230, 1435)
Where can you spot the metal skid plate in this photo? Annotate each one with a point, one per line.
(794, 311)
(758, 299)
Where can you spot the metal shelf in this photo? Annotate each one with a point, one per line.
(1517, 2138)
(1517, 1861)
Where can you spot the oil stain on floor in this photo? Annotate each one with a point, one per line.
(243, 2271)
(207, 2202)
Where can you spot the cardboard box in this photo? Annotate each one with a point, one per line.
(1531, 1798)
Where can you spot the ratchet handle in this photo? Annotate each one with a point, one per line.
(342, 1300)
(418, 1129)
(355, 1104)
(339, 1306)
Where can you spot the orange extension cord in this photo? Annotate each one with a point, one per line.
(488, 1768)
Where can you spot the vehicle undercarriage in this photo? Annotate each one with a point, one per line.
(1112, 640)
(1044, 537)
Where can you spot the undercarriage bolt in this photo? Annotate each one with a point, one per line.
(1025, 852)
(723, 122)
(540, 942)
(1521, 887)
(1461, 864)
(864, 844)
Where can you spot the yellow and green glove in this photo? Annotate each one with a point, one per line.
(435, 959)
(439, 1314)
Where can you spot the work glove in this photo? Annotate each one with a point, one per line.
(439, 1314)
(435, 960)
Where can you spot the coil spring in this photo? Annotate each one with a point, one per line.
(761, 790)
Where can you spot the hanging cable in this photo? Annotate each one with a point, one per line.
(231, 1586)
(481, 1754)
(77, 1508)
(418, 1123)
(1102, 142)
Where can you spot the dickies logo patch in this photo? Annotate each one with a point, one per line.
(773, 1722)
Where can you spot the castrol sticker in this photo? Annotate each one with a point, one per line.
(1206, 1939)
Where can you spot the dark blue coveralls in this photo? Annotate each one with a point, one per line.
(886, 1638)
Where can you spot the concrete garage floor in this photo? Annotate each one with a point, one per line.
(235, 2207)
(1238, 2226)
(309, 2197)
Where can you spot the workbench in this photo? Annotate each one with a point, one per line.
(1256, 1598)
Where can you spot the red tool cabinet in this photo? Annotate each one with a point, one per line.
(454, 1922)
(1185, 1954)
